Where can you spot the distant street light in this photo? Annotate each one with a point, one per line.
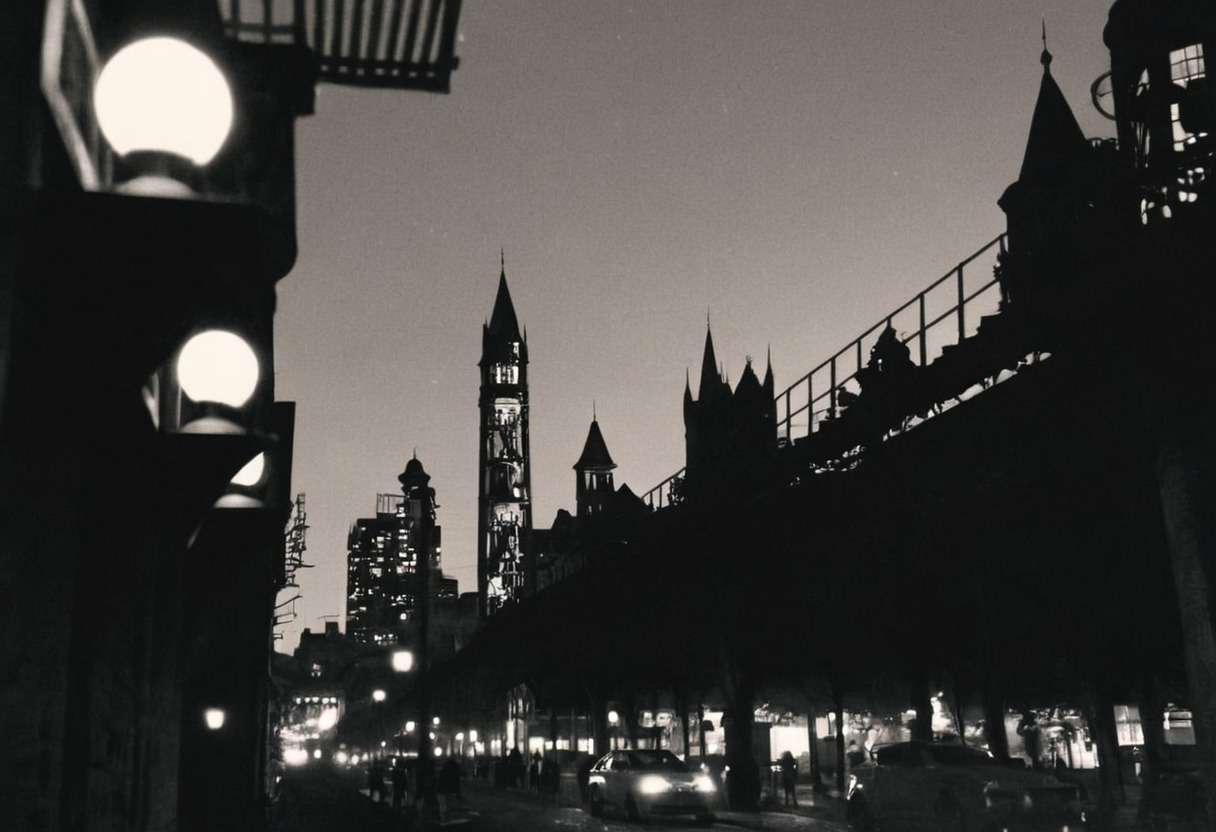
(378, 695)
(403, 661)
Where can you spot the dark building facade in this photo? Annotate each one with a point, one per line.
(505, 561)
(603, 514)
(730, 436)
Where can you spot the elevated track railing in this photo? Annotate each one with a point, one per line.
(945, 313)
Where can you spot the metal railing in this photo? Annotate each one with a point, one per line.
(944, 314)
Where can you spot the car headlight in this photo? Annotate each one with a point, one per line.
(703, 783)
(653, 784)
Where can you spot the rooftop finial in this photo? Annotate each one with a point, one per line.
(593, 417)
(502, 258)
(1045, 58)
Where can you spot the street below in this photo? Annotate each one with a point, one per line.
(319, 799)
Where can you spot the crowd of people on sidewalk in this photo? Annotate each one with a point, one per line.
(405, 776)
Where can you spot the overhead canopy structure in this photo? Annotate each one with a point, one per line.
(392, 44)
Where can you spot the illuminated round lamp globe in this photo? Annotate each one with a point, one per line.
(378, 695)
(161, 94)
(252, 473)
(217, 367)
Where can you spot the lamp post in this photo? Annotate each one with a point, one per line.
(414, 484)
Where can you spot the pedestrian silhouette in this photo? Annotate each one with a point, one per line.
(515, 768)
(399, 777)
(789, 776)
(856, 755)
(583, 775)
(375, 782)
(534, 772)
(550, 778)
(448, 787)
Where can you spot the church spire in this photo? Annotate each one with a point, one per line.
(1055, 141)
(711, 379)
(503, 322)
(595, 454)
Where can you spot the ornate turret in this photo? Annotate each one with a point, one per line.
(594, 488)
(1062, 194)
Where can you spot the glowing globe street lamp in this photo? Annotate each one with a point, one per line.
(159, 100)
(218, 373)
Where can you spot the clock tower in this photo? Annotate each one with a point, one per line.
(505, 567)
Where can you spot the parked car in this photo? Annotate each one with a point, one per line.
(643, 782)
(950, 788)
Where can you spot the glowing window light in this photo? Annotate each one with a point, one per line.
(473, 736)
(328, 719)
(410, 726)
(214, 717)
(218, 366)
(162, 94)
(403, 660)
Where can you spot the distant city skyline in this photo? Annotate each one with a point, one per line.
(797, 169)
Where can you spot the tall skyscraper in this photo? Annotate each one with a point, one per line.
(382, 571)
(505, 565)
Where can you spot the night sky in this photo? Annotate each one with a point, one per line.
(793, 170)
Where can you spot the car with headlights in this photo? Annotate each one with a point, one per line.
(938, 787)
(642, 782)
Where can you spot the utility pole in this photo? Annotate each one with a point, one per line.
(414, 484)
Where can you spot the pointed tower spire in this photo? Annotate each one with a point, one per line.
(1055, 141)
(503, 322)
(711, 379)
(595, 454)
(593, 487)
